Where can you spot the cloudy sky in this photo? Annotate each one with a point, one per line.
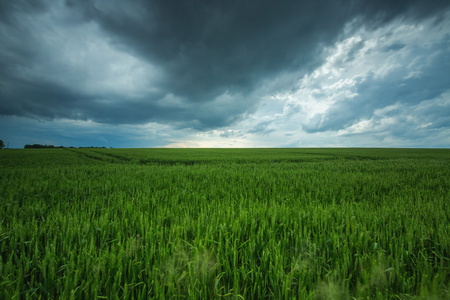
(174, 73)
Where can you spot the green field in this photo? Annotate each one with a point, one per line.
(231, 224)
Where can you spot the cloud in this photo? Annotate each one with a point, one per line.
(369, 73)
(206, 64)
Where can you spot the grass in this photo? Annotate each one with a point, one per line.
(216, 223)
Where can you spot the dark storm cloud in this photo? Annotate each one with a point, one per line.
(209, 47)
(212, 55)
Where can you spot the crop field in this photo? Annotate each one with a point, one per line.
(225, 223)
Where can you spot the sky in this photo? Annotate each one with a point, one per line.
(171, 73)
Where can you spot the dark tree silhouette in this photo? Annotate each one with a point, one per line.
(2, 145)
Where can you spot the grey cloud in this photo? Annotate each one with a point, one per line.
(205, 49)
(262, 128)
(393, 47)
(208, 48)
(425, 121)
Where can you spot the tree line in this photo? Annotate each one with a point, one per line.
(38, 146)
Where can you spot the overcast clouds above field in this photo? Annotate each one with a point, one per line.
(225, 73)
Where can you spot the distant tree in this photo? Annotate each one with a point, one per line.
(2, 145)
